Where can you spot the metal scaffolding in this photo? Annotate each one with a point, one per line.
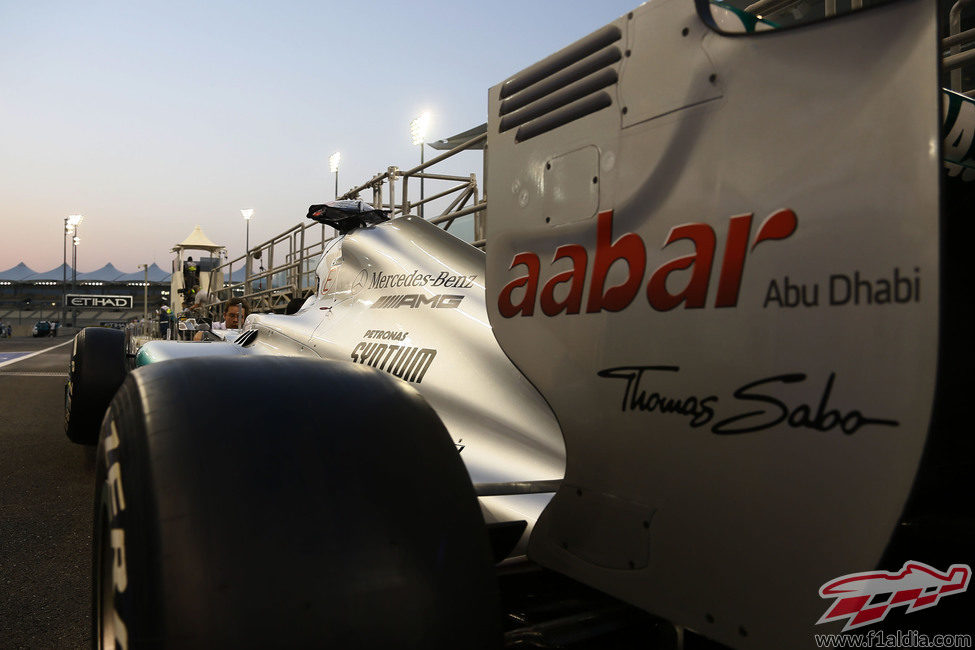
(288, 260)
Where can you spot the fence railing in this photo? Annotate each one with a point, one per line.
(274, 272)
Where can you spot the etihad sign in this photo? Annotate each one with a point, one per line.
(98, 302)
(631, 249)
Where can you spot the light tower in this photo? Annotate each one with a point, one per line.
(333, 166)
(419, 128)
(247, 213)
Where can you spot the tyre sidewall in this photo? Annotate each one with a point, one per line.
(95, 372)
(248, 535)
(125, 518)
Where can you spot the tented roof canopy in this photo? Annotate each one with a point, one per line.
(197, 240)
(59, 272)
(17, 273)
(156, 274)
(107, 273)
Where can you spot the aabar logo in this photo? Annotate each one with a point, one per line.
(631, 249)
(865, 598)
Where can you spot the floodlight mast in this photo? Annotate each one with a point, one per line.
(247, 213)
(74, 272)
(145, 298)
(419, 128)
(70, 223)
(64, 271)
(333, 166)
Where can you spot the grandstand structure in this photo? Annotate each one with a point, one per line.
(27, 296)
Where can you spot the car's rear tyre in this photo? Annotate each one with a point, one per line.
(273, 502)
(96, 370)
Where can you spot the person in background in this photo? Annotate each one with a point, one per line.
(185, 314)
(164, 315)
(190, 273)
(234, 316)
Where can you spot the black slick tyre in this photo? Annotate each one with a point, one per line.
(298, 503)
(96, 370)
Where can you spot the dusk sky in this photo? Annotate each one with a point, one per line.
(152, 117)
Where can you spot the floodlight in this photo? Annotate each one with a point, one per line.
(333, 162)
(247, 213)
(419, 128)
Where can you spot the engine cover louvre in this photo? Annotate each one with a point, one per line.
(603, 59)
(563, 88)
(550, 103)
(570, 113)
(563, 59)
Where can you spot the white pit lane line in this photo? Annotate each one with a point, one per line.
(34, 354)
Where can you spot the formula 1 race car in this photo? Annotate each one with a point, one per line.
(44, 328)
(400, 307)
(711, 367)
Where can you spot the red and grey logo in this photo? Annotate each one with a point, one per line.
(865, 598)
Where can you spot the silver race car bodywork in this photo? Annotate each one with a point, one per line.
(720, 313)
(407, 298)
(723, 269)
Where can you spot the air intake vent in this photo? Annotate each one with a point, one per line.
(246, 338)
(565, 87)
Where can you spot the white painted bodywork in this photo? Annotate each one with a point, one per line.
(741, 422)
(503, 429)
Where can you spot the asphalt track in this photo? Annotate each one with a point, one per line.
(46, 485)
(46, 504)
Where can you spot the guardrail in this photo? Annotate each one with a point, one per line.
(286, 263)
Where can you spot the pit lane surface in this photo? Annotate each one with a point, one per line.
(46, 485)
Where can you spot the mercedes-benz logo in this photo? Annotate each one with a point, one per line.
(360, 282)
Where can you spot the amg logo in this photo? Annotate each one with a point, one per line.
(99, 302)
(415, 300)
(405, 362)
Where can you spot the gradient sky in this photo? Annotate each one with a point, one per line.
(151, 117)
